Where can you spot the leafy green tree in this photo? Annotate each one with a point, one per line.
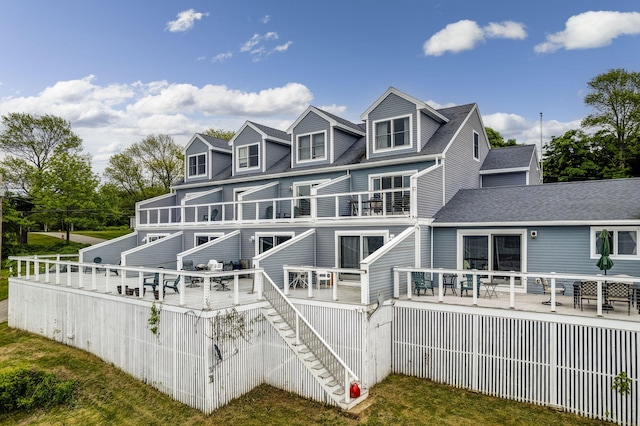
(67, 191)
(219, 133)
(29, 143)
(147, 168)
(571, 157)
(615, 97)
(496, 140)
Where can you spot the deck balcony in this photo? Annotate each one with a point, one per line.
(338, 206)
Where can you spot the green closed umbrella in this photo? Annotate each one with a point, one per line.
(605, 262)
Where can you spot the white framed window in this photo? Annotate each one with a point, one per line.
(492, 249)
(197, 165)
(200, 238)
(397, 200)
(154, 237)
(303, 189)
(248, 157)
(312, 146)
(354, 246)
(623, 241)
(268, 240)
(476, 145)
(393, 133)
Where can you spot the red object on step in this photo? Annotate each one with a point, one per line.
(354, 390)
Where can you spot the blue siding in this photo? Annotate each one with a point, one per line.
(461, 169)
(342, 141)
(504, 179)
(428, 126)
(110, 250)
(326, 207)
(381, 271)
(429, 192)
(392, 106)
(300, 252)
(444, 247)
(311, 123)
(157, 254)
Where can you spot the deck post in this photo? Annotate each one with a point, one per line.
(512, 291)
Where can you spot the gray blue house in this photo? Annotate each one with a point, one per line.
(418, 186)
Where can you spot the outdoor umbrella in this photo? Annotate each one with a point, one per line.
(605, 261)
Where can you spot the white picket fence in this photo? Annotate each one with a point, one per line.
(558, 361)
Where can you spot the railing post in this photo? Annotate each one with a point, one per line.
(36, 269)
(409, 293)
(80, 276)
(93, 278)
(285, 281)
(396, 283)
(58, 273)
(107, 276)
(46, 272)
(475, 283)
(183, 278)
(440, 287)
(512, 291)
(347, 393)
(553, 293)
(599, 297)
(236, 289)
(297, 329)
(335, 285)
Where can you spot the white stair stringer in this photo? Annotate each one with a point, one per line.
(332, 385)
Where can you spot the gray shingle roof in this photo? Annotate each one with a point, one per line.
(508, 157)
(216, 142)
(341, 120)
(271, 132)
(445, 133)
(569, 201)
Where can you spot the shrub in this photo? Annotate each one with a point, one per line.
(31, 389)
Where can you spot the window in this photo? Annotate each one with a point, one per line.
(268, 241)
(352, 248)
(312, 147)
(494, 250)
(393, 133)
(303, 189)
(248, 156)
(153, 237)
(623, 242)
(476, 145)
(394, 201)
(205, 238)
(197, 165)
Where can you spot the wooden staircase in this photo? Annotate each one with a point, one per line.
(333, 386)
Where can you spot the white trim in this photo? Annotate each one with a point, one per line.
(206, 165)
(205, 234)
(272, 234)
(332, 122)
(500, 171)
(629, 222)
(593, 230)
(473, 145)
(156, 236)
(393, 148)
(237, 157)
(426, 108)
(460, 233)
(357, 233)
(296, 147)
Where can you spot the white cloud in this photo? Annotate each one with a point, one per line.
(185, 20)
(591, 29)
(265, 19)
(256, 46)
(527, 131)
(283, 47)
(334, 109)
(466, 35)
(111, 117)
(221, 57)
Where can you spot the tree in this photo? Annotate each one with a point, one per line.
(29, 143)
(496, 140)
(219, 133)
(571, 157)
(67, 191)
(615, 97)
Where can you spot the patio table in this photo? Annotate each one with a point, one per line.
(490, 288)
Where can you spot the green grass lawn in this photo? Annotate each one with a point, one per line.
(108, 234)
(107, 396)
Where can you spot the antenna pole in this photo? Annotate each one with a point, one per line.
(541, 153)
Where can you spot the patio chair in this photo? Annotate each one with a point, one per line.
(467, 284)
(589, 291)
(323, 277)
(187, 265)
(546, 289)
(221, 282)
(620, 292)
(171, 283)
(97, 260)
(151, 281)
(268, 213)
(449, 282)
(420, 282)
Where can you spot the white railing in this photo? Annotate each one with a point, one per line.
(132, 280)
(481, 277)
(388, 202)
(306, 276)
(305, 333)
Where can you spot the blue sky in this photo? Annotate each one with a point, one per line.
(121, 70)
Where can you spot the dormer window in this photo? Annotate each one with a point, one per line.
(476, 146)
(197, 165)
(248, 156)
(393, 133)
(312, 147)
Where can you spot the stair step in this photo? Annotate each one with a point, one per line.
(310, 358)
(325, 375)
(339, 391)
(303, 349)
(291, 334)
(332, 383)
